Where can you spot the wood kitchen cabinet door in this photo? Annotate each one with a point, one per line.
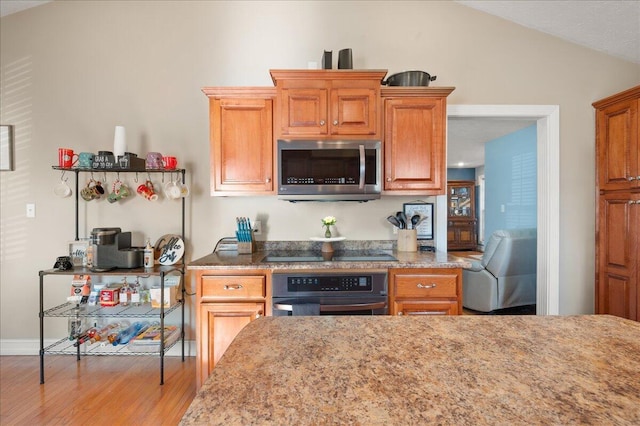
(241, 145)
(328, 104)
(303, 112)
(618, 154)
(617, 291)
(219, 324)
(414, 143)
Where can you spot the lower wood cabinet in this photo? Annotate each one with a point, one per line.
(226, 304)
(425, 291)
(618, 257)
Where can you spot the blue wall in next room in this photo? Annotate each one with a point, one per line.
(461, 174)
(511, 181)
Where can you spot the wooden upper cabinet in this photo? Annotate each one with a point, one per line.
(329, 104)
(241, 151)
(618, 148)
(415, 121)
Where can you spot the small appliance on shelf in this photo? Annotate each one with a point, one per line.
(113, 250)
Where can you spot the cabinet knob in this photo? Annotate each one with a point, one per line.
(322, 122)
(233, 287)
(259, 314)
(335, 122)
(631, 178)
(400, 313)
(388, 179)
(268, 180)
(432, 285)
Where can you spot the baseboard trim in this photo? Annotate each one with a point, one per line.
(32, 347)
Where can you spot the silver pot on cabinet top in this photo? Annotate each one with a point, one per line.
(409, 78)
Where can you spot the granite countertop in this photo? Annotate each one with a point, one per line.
(419, 259)
(453, 370)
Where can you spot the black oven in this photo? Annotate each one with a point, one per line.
(329, 293)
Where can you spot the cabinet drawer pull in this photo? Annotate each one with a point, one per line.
(434, 285)
(630, 178)
(322, 122)
(233, 287)
(335, 122)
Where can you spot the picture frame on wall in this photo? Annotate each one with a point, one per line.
(424, 230)
(6, 147)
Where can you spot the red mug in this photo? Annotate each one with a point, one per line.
(170, 163)
(66, 158)
(147, 191)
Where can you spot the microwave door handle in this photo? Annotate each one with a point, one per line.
(362, 165)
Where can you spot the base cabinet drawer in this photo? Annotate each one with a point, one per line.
(436, 291)
(426, 308)
(233, 287)
(426, 285)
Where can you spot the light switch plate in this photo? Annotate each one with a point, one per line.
(31, 210)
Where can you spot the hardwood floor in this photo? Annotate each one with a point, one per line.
(104, 390)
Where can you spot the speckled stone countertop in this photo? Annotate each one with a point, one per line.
(420, 259)
(454, 370)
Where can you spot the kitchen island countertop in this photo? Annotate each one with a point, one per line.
(462, 370)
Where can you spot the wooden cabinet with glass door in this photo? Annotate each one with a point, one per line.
(462, 222)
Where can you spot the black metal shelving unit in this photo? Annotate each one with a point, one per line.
(65, 346)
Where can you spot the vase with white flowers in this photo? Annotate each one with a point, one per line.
(327, 222)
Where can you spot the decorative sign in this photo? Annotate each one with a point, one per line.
(169, 249)
(425, 210)
(78, 252)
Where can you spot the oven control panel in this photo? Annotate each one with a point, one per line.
(331, 283)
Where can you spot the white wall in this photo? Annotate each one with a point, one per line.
(71, 71)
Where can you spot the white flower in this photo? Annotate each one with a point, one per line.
(329, 220)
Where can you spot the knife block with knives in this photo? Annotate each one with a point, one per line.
(244, 234)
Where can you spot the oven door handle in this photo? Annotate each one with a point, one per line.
(362, 167)
(336, 308)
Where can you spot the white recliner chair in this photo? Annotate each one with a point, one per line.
(506, 275)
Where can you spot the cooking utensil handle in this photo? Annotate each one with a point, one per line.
(362, 166)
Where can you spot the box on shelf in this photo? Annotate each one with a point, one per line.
(149, 341)
(130, 162)
(171, 286)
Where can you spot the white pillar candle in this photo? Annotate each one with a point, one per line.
(119, 142)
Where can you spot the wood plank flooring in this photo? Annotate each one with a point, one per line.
(104, 390)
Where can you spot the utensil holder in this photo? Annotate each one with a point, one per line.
(245, 247)
(407, 240)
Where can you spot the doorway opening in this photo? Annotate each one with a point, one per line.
(547, 118)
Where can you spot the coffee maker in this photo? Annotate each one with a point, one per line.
(112, 250)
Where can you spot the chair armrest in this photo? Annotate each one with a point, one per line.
(476, 266)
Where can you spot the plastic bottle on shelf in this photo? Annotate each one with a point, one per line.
(75, 323)
(102, 334)
(89, 263)
(125, 294)
(135, 294)
(148, 255)
(130, 332)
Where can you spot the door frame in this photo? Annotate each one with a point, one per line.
(548, 176)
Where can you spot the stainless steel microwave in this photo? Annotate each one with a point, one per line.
(318, 170)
